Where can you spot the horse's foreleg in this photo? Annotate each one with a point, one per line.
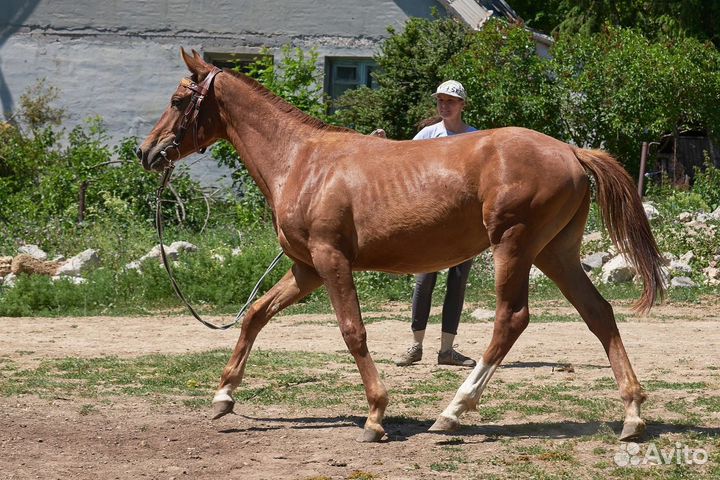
(297, 283)
(597, 313)
(512, 267)
(334, 267)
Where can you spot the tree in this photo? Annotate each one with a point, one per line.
(617, 89)
(508, 83)
(411, 66)
(655, 19)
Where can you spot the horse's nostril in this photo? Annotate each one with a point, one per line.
(139, 153)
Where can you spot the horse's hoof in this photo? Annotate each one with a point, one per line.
(444, 424)
(632, 430)
(369, 436)
(222, 408)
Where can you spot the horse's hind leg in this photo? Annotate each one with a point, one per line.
(513, 260)
(297, 283)
(560, 260)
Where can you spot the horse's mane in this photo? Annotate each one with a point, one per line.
(285, 106)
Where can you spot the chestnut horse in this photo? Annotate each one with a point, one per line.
(344, 202)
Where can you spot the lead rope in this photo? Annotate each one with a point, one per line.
(159, 225)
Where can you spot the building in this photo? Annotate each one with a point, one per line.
(119, 59)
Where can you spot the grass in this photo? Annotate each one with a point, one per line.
(525, 448)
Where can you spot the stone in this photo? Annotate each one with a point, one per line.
(73, 280)
(679, 267)
(617, 270)
(595, 261)
(536, 273)
(483, 314)
(682, 282)
(651, 212)
(684, 217)
(34, 251)
(80, 263)
(592, 237)
(712, 275)
(9, 280)
(688, 257)
(182, 247)
(715, 215)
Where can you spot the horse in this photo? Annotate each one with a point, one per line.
(344, 202)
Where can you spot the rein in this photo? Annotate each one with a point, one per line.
(190, 116)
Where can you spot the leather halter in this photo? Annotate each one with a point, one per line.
(192, 111)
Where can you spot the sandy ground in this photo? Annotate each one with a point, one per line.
(131, 437)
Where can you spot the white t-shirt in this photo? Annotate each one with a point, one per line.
(437, 130)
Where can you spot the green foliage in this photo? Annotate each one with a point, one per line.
(618, 89)
(52, 188)
(411, 65)
(707, 185)
(693, 18)
(509, 83)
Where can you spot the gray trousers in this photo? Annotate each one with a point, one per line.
(454, 298)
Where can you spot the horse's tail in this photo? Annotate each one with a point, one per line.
(624, 217)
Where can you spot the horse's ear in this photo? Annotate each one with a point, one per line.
(195, 63)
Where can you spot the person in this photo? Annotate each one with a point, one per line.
(450, 100)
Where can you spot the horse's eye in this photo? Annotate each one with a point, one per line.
(175, 102)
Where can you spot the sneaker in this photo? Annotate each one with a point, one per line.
(453, 357)
(412, 355)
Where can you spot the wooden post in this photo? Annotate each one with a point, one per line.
(643, 162)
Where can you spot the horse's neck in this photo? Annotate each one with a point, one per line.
(262, 133)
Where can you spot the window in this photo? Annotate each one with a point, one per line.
(232, 60)
(343, 74)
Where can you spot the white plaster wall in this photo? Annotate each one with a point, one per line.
(119, 59)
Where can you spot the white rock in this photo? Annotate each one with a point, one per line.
(684, 217)
(595, 260)
(715, 215)
(678, 267)
(182, 247)
(617, 270)
(650, 211)
(483, 314)
(712, 275)
(536, 273)
(682, 282)
(10, 280)
(74, 280)
(592, 237)
(34, 251)
(688, 257)
(135, 265)
(79, 264)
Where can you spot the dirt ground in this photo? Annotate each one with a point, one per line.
(131, 437)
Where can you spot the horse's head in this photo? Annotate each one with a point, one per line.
(190, 123)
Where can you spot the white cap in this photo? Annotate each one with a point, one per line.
(452, 88)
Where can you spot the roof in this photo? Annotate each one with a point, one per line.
(475, 13)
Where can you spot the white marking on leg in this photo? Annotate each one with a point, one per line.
(223, 395)
(469, 392)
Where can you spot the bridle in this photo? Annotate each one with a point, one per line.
(192, 111)
(190, 118)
